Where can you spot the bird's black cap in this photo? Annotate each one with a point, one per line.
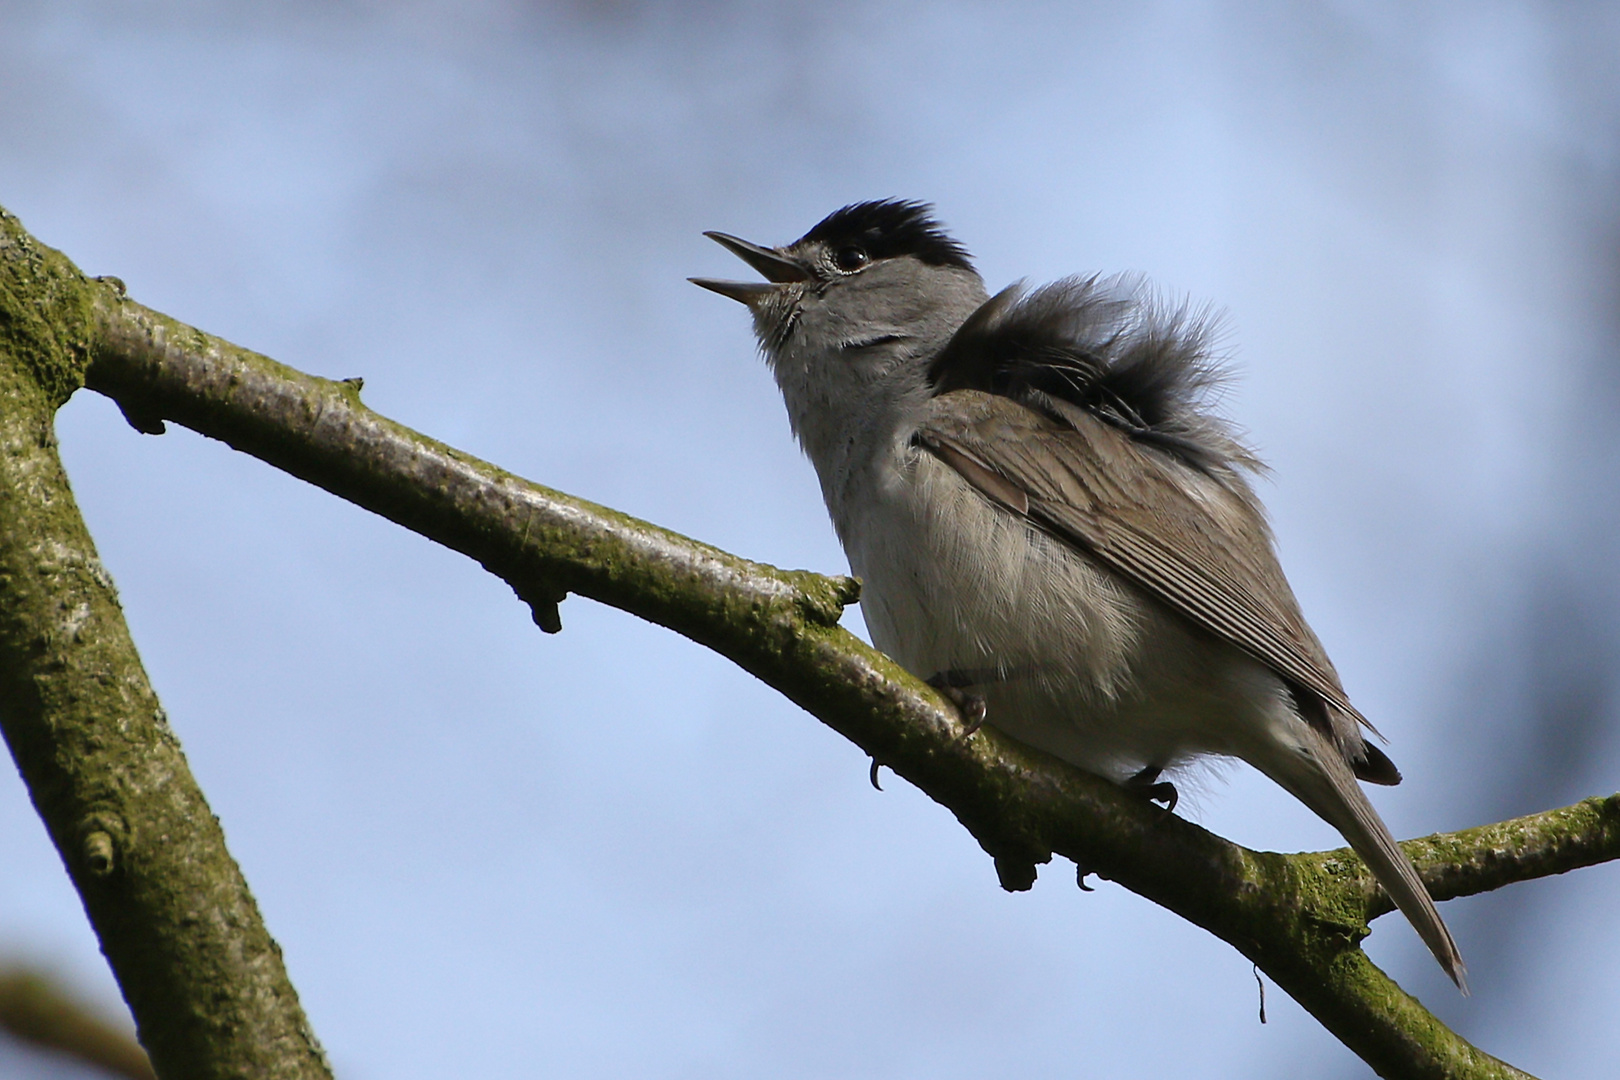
(888, 228)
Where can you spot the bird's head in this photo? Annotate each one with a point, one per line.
(851, 313)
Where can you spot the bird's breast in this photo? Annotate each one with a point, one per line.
(1069, 657)
(953, 583)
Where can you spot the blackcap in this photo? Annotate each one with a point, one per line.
(1051, 525)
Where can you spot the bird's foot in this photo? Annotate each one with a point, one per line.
(953, 685)
(1148, 785)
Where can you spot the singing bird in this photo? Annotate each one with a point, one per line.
(1050, 523)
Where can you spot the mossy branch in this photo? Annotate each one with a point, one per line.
(1299, 917)
(175, 918)
(1488, 857)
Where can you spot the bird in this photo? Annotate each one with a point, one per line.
(1051, 522)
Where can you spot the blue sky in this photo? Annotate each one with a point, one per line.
(490, 852)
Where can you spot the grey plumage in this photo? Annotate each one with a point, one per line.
(1034, 490)
(1108, 346)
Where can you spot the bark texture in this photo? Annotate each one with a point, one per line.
(174, 917)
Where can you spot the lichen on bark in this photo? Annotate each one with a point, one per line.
(174, 917)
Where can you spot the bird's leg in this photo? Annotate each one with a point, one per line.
(1148, 785)
(953, 684)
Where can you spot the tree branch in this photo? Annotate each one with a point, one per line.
(105, 772)
(1488, 857)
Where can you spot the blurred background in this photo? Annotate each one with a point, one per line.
(489, 852)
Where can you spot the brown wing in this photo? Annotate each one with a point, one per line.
(1196, 543)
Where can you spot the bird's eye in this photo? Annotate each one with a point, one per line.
(850, 258)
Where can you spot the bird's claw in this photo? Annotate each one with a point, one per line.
(971, 706)
(1148, 785)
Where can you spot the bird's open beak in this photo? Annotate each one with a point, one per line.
(777, 268)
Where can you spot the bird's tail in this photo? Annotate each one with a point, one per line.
(1323, 781)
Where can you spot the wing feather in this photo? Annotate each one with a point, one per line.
(1194, 539)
